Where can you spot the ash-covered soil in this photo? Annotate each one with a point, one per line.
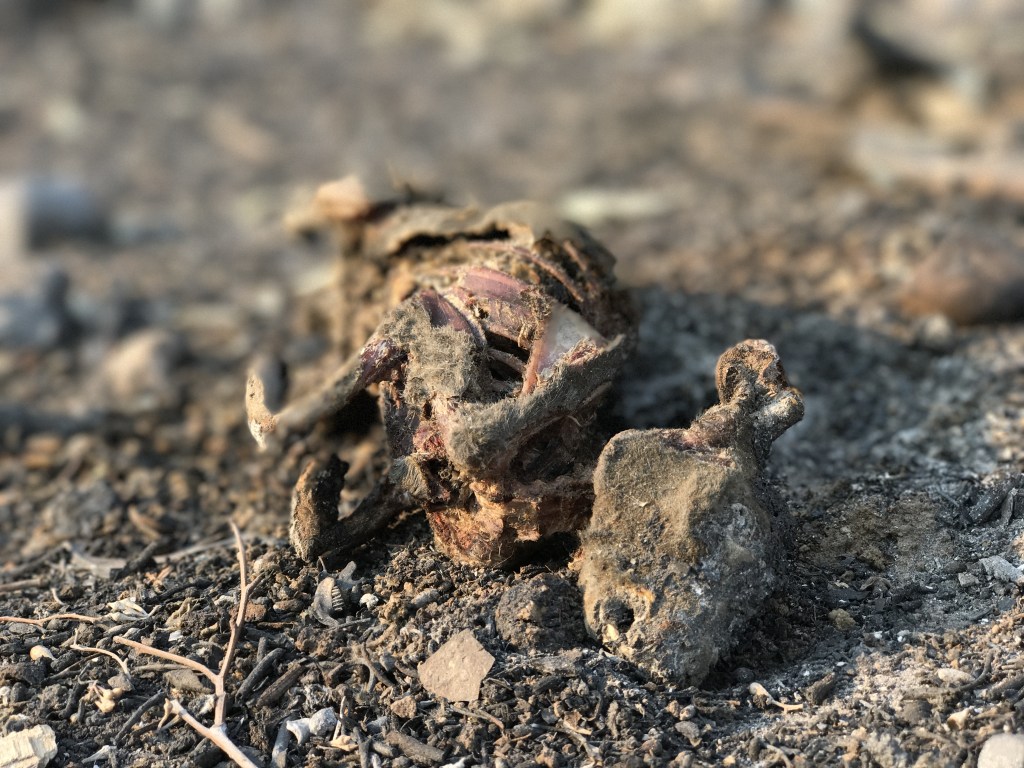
(758, 173)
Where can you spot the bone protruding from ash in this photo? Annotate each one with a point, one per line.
(683, 544)
(266, 385)
(315, 527)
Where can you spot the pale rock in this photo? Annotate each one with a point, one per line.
(456, 669)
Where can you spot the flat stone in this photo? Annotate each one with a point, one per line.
(456, 669)
(1001, 569)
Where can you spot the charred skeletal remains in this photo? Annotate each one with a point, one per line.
(500, 333)
(492, 338)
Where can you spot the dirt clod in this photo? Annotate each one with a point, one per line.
(543, 615)
(821, 689)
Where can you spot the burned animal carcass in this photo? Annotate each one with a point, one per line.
(499, 332)
(492, 337)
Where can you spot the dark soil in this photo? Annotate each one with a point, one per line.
(726, 184)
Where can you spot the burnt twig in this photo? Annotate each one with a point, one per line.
(993, 499)
(260, 671)
(135, 716)
(273, 692)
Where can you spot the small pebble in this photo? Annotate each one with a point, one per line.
(951, 676)
(185, 680)
(60, 209)
(958, 720)
(404, 707)
(37, 211)
(1004, 750)
(690, 731)
(37, 319)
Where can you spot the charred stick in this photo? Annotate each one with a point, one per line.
(275, 691)
(135, 716)
(414, 749)
(260, 671)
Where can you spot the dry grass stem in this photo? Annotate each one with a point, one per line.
(17, 586)
(215, 735)
(183, 661)
(91, 649)
(485, 716)
(217, 678)
(236, 627)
